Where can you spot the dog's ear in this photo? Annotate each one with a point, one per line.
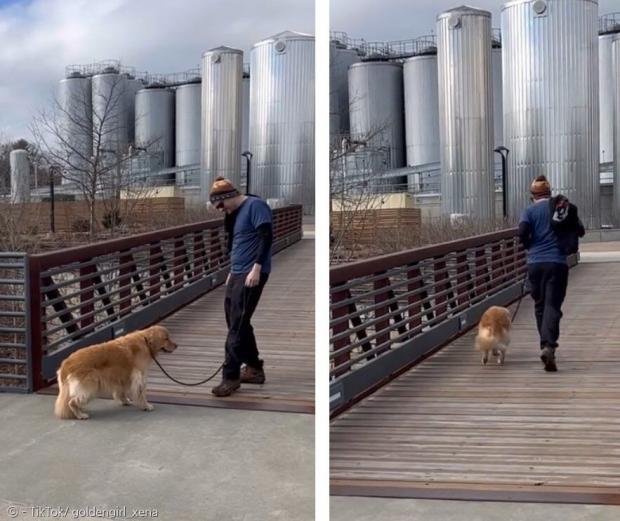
(148, 342)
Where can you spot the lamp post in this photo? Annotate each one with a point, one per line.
(248, 163)
(503, 151)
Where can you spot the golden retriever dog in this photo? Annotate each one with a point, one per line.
(494, 333)
(118, 367)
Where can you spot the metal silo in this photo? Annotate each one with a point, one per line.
(616, 126)
(222, 71)
(340, 59)
(498, 113)
(75, 105)
(187, 127)
(109, 101)
(155, 123)
(609, 26)
(245, 123)
(550, 68)
(421, 109)
(133, 85)
(376, 108)
(466, 112)
(282, 118)
(20, 176)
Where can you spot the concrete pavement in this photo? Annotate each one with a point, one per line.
(186, 463)
(378, 509)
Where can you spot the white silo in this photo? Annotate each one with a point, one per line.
(20, 176)
(466, 112)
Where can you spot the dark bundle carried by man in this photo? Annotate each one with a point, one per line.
(566, 224)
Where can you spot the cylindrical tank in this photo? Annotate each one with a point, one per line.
(466, 112)
(20, 176)
(245, 127)
(616, 126)
(76, 125)
(606, 98)
(421, 111)
(340, 59)
(155, 123)
(376, 108)
(550, 68)
(282, 118)
(498, 112)
(222, 71)
(187, 124)
(133, 85)
(109, 100)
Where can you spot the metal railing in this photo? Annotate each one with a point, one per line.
(90, 294)
(609, 23)
(15, 374)
(388, 312)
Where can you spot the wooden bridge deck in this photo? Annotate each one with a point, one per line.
(284, 328)
(452, 428)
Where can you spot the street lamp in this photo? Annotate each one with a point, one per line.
(52, 170)
(503, 151)
(248, 163)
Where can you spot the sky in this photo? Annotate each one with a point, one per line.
(382, 20)
(39, 37)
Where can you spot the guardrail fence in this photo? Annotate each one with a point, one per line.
(389, 312)
(79, 296)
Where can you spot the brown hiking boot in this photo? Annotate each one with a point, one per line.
(548, 357)
(251, 375)
(226, 387)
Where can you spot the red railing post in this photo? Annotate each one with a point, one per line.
(87, 294)
(155, 257)
(442, 283)
(382, 326)
(339, 310)
(36, 310)
(124, 281)
(414, 302)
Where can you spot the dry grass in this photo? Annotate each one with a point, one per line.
(431, 231)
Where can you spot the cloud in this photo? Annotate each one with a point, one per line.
(38, 38)
(383, 20)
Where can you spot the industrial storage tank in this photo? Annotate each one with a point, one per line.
(109, 101)
(550, 67)
(187, 124)
(282, 118)
(609, 26)
(616, 125)
(222, 71)
(498, 112)
(155, 123)
(376, 108)
(245, 124)
(20, 176)
(421, 111)
(466, 112)
(133, 85)
(340, 59)
(75, 106)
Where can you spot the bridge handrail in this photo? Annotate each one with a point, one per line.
(92, 293)
(389, 312)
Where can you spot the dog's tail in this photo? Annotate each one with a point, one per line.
(485, 339)
(61, 407)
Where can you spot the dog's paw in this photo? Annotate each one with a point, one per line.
(82, 416)
(148, 407)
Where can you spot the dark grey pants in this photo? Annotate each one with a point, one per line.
(548, 282)
(239, 305)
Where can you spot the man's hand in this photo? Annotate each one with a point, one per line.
(253, 277)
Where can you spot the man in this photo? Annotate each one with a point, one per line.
(548, 230)
(249, 226)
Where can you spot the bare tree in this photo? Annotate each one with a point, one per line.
(85, 136)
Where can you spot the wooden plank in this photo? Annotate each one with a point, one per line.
(451, 428)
